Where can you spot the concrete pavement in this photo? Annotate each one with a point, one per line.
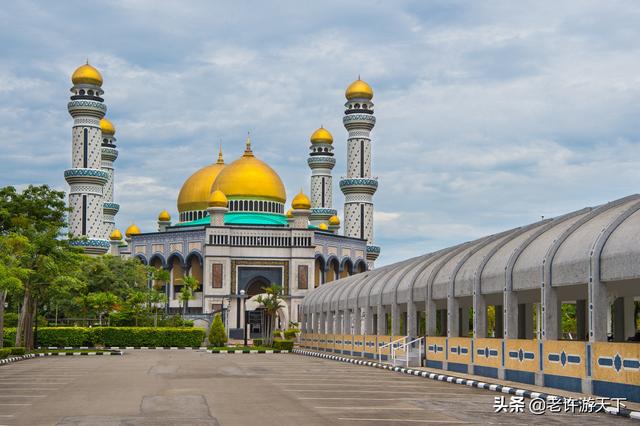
(150, 387)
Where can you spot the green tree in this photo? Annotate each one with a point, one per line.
(38, 213)
(160, 277)
(136, 306)
(217, 333)
(156, 299)
(102, 303)
(11, 274)
(186, 293)
(270, 300)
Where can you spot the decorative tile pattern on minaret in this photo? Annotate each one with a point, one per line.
(359, 186)
(86, 178)
(321, 162)
(109, 155)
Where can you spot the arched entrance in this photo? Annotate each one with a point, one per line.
(256, 317)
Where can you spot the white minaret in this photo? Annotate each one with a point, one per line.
(321, 162)
(86, 178)
(359, 186)
(109, 155)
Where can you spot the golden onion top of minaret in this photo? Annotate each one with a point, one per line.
(132, 230)
(107, 127)
(86, 74)
(301, 201)
(359, 90)
(218, 199)
(116, 235)
(321, 135)
(164, 216)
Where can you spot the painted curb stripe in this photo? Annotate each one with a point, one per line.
(459, 380)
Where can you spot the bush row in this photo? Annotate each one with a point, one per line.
(5, 352)
(115, 336)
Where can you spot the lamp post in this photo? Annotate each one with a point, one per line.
(244, 314)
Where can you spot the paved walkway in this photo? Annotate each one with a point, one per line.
(195, 388)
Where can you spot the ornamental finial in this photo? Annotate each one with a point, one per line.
(247, 149)
(220, 159)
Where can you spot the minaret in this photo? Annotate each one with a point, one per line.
(86, 178)
(359, 186)
(321, 162)
(109, 155)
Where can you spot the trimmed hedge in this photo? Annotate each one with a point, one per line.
(283, 345)
(5, 352)
(258, 342)
(148, 336)
(17, 351)
(115, 336)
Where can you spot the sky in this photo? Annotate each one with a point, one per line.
(489, 114)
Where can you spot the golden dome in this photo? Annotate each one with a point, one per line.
(359, 89)
(132, 230)
(116, 235)
(321, 135)
(301, 202)
(86, 74)
(218, 199)
(107, 127)
(195, 191)
(323, 226)
(248, 177)
(334, 220)
(290, 213)
(164, 216)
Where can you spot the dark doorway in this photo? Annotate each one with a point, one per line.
(256, 286)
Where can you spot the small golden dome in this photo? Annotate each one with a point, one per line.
(334, 220)
(164, 216)
(195, 191)
(290, 213)
(359, 89)
(116, 235)
(218, 199)
(132, 230)
(323, 226)
(321, 135)
(107, 127)
(248, 177)
(301, 202)
(86, 74)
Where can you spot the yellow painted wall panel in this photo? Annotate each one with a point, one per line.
(488, 352)
(522, 355)
(565, 358)
(459, 350)
(436, 347)
(616, 362)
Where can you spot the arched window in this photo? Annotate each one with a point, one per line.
(81, 92)
(246, 205)
(90, 92)
(261, 206)
(357, 106)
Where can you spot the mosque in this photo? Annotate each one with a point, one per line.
(235, 233)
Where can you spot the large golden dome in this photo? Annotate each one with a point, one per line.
(359, 89)
(86, 74)
(248, 177)
(195, 192)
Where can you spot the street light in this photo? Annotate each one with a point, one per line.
(244, 314)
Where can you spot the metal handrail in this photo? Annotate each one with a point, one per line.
(389, 344)
(404, 346)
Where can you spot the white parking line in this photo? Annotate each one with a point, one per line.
(7, 403)
(356, 419)
(22, 396)
(372, 408)
(349, 391)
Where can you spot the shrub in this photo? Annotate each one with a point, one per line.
(5, 352)
(217, 333)
(65, 336)
(148, 336)
(18, 351)
(290, 334)
(277, 334)
(283, 345)
(258, 342)
(9, 337)
(7, 343)
(11, 319)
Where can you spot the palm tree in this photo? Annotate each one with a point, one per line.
(271, 301)
(161, 277)
(186, 294)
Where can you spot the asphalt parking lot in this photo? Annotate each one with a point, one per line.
(185, 387)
